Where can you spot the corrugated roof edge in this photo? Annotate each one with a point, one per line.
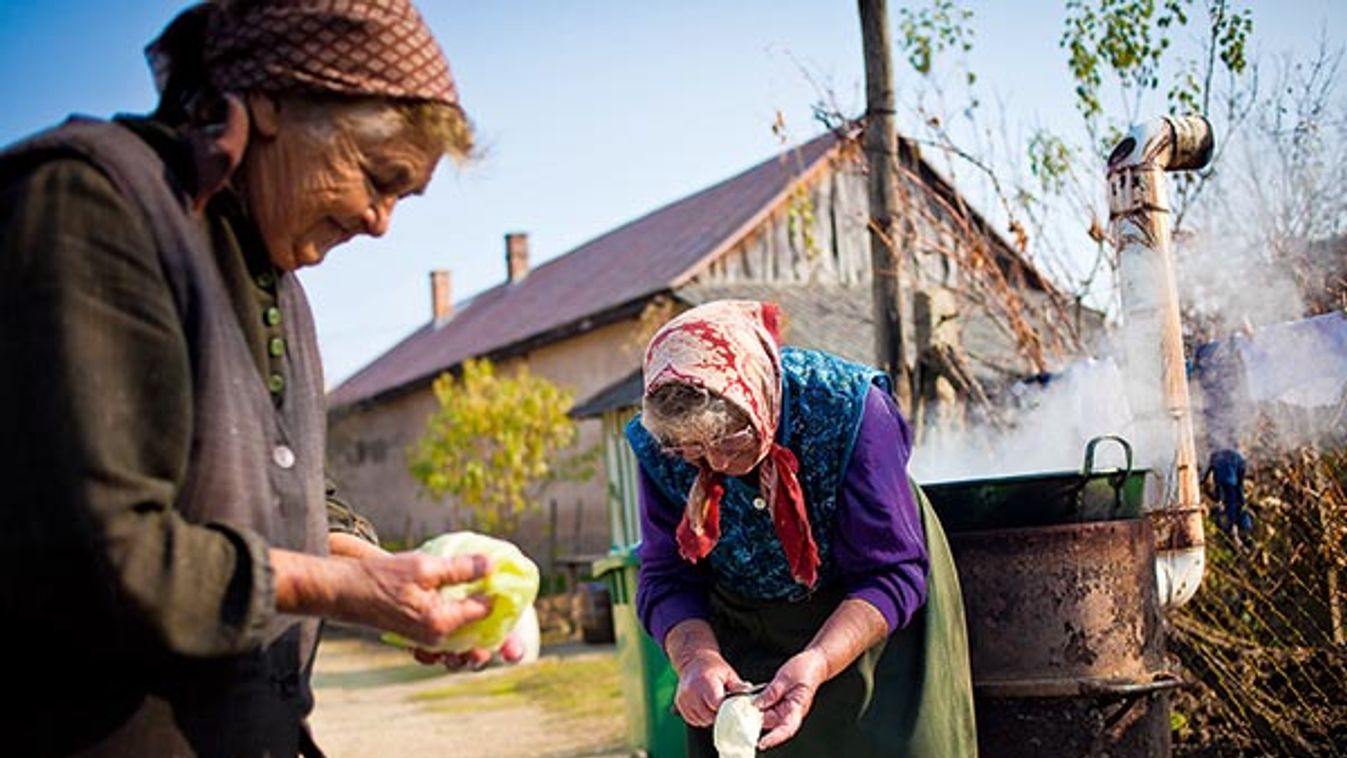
(550, 335)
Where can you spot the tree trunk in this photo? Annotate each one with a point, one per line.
(886, 242)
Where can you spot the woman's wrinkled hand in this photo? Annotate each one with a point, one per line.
(702, 684)
(399, 592)
(788, 697)
(510, 651)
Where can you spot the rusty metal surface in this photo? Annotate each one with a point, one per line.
(1177, 528)
(1125, 727)
(1194, 143)
(1167, 143)
(1063, 602)
(1066, 640)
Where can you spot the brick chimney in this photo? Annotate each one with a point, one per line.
(441, 296)
(516, 256)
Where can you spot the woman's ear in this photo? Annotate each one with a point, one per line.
(217, 148)
(265, 114)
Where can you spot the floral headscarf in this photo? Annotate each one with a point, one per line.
(730, 348)
(379, 48)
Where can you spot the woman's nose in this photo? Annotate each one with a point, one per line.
(379, 215)
(717, 460)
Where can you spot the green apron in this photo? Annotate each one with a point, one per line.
(909, 695)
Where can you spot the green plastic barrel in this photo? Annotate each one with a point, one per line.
(648, 681)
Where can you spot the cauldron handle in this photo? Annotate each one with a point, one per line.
(1083, 686)
(1116, 480)
(1103, 688)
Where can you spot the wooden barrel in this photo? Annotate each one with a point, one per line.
(596, 613)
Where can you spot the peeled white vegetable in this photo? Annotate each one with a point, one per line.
(738, 725)
(512, 584)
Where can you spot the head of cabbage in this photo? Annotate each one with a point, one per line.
(511, 585)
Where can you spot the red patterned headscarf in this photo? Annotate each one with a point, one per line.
(379, 48)
(730, 348)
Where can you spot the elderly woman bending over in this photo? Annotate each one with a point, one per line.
(783, 545)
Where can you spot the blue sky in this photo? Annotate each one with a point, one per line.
(592, 112)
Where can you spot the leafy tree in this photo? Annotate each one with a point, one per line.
(927, 32)
(496, 442)
(1130, 41)
(1127, 59)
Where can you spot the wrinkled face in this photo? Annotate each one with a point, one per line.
(734, 454)
(317, 174)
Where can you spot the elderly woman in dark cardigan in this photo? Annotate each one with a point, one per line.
(783, 545)
(164, 536)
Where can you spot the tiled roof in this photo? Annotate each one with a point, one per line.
(647, 256)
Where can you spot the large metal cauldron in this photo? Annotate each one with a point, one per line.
(1066, 497)
(1063, 620)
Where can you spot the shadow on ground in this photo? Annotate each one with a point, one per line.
(374, 700)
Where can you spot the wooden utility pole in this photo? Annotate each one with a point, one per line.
(886, 241)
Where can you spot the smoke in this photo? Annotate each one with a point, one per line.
(1281, 387)
(1267, 379)
(1264, 395)
(1227, 283)
(1275, 389)
(1049, 429)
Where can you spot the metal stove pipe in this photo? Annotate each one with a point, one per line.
(1158, 391)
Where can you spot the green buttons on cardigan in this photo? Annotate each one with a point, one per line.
(276, 383)
(266, 280)
(272, 316)
(276, 346)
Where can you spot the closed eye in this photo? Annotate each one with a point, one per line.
(394, 182)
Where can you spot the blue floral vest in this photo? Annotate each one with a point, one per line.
(822, 403)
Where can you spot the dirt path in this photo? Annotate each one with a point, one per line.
(375, 702)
